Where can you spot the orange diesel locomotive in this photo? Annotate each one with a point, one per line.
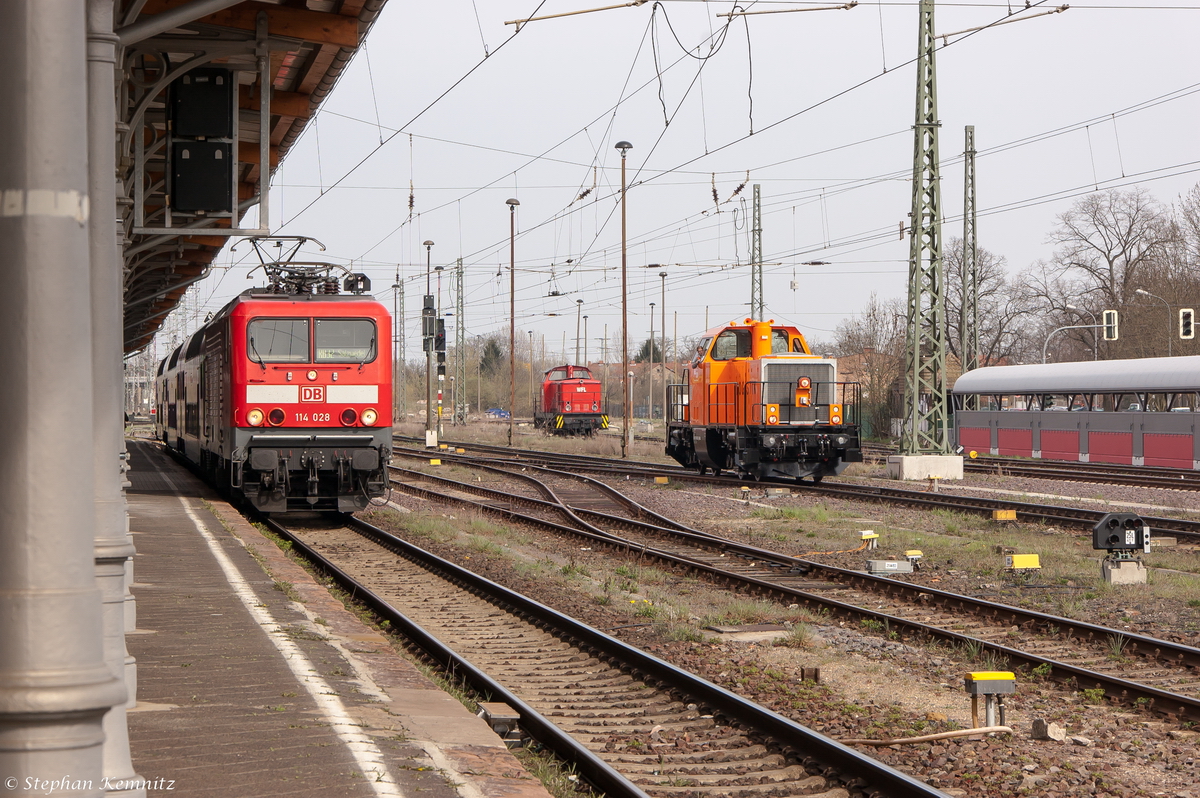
(285, 395)
(756, 400)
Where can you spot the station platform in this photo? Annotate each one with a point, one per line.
(253, 680)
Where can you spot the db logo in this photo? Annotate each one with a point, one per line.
(312, 393)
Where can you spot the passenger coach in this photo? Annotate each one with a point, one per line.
(1134, 412)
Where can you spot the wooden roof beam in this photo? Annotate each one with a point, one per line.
(318, 27)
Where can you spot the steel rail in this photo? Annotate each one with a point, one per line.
(1025, 511)
(1128, 691)
(789, 734)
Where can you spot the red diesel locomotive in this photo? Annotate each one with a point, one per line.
(285, 395)
(571, 402)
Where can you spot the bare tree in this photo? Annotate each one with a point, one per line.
(1107, 242)
(870, 348)
(1004, 307)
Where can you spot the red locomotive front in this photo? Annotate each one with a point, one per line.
(571, 402)
(285, 395)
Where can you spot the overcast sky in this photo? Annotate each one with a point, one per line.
(1106, 94)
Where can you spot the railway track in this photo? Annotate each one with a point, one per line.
(1087, 655)
(1181, 529)
(632, 724)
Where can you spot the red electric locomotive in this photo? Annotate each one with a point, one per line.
(285, 395)
(571, 402)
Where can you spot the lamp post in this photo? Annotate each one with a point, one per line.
(626, 431)
(578, 310)
(512, 312)
(1170, 329)
(585, 352)
(532, 404)
(428, 329)
(663, 310)
(1095, 337)
(440, 354)
(1046, 345)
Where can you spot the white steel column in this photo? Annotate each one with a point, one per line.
(55, 686)
(112, 546)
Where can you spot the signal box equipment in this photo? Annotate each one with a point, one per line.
(200, 173)
(202, 104)
(1121, 533)
(1023, 562)
(993, 685)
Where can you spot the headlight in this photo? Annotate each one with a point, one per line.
(255, 417)
(835, 419)
(349, 416)
(841, 440)
(805, 382)
(568, 407)
(369, 416)
(276, 417)
(770, 441)
(312, 374)
(595, 406)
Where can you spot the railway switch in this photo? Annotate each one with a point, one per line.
(993, 686)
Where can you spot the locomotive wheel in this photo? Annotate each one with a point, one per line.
(817, 477)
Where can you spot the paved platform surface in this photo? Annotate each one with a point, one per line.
(254, 681)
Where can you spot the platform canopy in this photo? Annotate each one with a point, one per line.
(300, 47)
(1145, 375)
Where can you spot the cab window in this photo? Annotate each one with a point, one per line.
(345, 341)
(797, 346)
(779, 342)
(581, 374)
(731, 344)
(277, 340)
(558, 374)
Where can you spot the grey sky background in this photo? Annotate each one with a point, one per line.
(1103, 95)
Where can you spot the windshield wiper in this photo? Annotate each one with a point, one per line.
(367, 356)
(254, 349)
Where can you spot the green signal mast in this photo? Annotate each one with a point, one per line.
(927, 419)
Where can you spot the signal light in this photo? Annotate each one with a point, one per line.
(1110, 325)
(255, 417)
(835, 414)
(805, 382)
(772, 414)
(349, 416)
(369, 416)
(1187, 329)
(276, 417)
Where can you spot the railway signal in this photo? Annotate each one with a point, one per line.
(1187, 329)
(1110, 325)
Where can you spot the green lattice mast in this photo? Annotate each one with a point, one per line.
(927, 420)
(970, 261)
(756, 262)
(460, 350)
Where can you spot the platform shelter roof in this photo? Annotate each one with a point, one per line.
(307, 45)
(1148, 375)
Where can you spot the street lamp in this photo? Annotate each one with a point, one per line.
(578, 310)
(512, 313)
(1095, 336)
(663, 310)
(1170, 329)
(532, 402)
(585, 354)
(626, 432)
(428, 329)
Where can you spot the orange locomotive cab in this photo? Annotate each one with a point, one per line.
(756, 400)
